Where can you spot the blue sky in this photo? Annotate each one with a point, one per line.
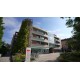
(54, 25)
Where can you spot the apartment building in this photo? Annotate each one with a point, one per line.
(41, 40)
(57, 43)
(65, 45)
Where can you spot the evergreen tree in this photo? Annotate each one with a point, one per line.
(23, 36)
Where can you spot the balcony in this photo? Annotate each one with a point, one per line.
(39, 33)
(56, 38)
(57, 42)
(39, 39)
(37, 45)
(57, 45)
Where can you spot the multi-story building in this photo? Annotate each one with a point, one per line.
(57, 42)
(65, 45)
(42, 41)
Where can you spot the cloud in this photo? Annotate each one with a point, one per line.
(11, 26)
(52, 25)
(61, 33)
(55, 31)
(11, 23)
(36, 23)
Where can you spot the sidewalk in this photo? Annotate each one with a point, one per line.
(4, 59)
(52, 57)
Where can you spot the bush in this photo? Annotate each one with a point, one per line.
(19, 57)
(32, 59)
(70, 57)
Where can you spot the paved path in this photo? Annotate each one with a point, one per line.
(47, 57)
(4, 59)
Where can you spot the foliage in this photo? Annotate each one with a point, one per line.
(19, 57)
(23, 36)
(70, 57)
(32, 59)
(5, 48)
(1, 30)
(75, 23)
(74, 42)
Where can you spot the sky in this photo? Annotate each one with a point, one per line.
(54, 25)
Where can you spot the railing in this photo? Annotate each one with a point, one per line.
(33, 45)
(39, 39)
(39, 33)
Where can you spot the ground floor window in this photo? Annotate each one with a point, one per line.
(40, 51)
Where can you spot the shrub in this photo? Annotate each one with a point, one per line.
(32, 59)
(70, 57)
(19, 57)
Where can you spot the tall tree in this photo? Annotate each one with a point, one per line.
(1, 30)
(5, 48)
(23, 36)
(75, 23)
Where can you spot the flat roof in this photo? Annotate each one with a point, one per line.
(66, 39)
(44, 30)
(40, 29)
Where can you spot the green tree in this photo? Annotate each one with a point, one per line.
(5, 48)
(75, 23)
(23, 36)
(1, 30)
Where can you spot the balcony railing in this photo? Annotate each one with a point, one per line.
(39, 39)
(39, 33)
(34, 45)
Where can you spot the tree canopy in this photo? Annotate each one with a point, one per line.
(75, 23)
(5, 48)
(23, 36)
